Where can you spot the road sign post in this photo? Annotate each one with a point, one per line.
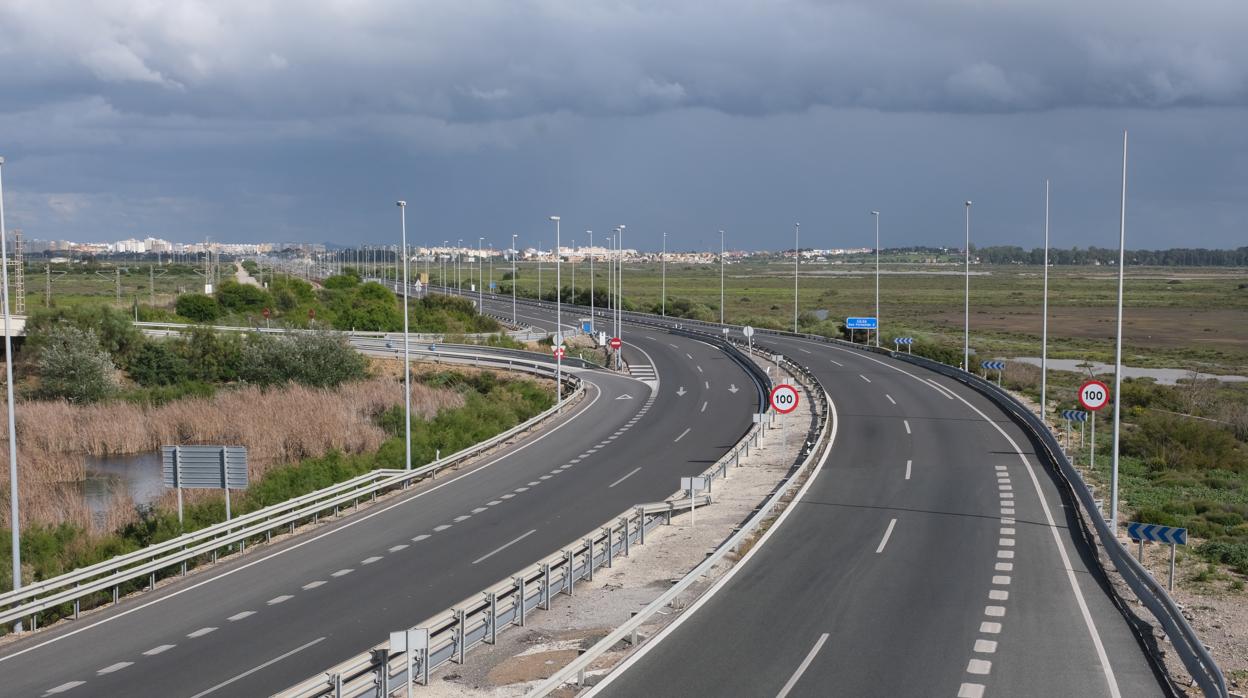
(903, 341)
(559, 352)
(998, 366)
(1093, 395)
(1174, 536)
(692, 485)
(748, 331)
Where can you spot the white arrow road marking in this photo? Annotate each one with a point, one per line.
(625, 396)
(732, 388)
(504, 547)
(681, 391)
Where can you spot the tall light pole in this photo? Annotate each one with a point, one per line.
(1122, 263)
(445, 245)
(558, 287)
(1044, 323)
(593, 322)
(619, 306)
(480, 276)
(459, 263)
(721, 277)
(966, 327)
(514, 318)
(876, 215)
(539, 271)
(15, 520)
(407, 368)
(664, 257)
(797, 258)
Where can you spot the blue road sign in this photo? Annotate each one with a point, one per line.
(493, 285)
(994, 365)
(1075, 415)
(904, 340)
(862, 323)
(587, 325)
(1156, 533)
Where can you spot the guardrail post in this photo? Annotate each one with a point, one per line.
(77, 608)
(610, 545)
(116, 591)
(519, 614)
(589, 558)
(151, 582)
(641, 525)
(492, 635)
(382, 680)
(460, 635)
(624, 523)
(669, 513)
(335, 685)
(569, 562)
(544, 597)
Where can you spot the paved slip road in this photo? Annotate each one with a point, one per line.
(927, 559)
(254, 626)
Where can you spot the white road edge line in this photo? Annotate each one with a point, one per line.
(732, 571)
(634, 472)
(887, 533)
(801, 668)
(503, 547)
(314, 539)
(253, 670)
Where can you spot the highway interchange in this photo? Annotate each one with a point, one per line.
(932, 556)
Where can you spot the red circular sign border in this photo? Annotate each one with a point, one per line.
(772, 398)
(1103, 387)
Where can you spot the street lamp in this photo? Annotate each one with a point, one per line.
(1044, 323)
(459, 263)
(1122, 263)
(593, 322)
(619, 306)
(664, 257)
(514, 318)
(15, 520)
(966, 327)
(558, 286)
(721, 277)
(480, 276)
(797, 258)
(407, 369)
(876, 215)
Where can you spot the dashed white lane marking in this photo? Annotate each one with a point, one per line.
(999, 595)
(397, 548)
(708, 385)
(888, 532)
(535, 483)
(342, 572)
(522, 489)
(999, 467)
(1005, 541)
(312, 585)
(985, 646)
(632, 473)
(704, 403)
(439, 529)
(478, 510)
(990, 627)
(1007, 511)
(907, 423)
(544, 477)
(421, 537)
(981, 667)
(253, 670)
(1004, 567)
(200, 633)
(279, 599)
(1007, 530)
(370, 560)
(890, 398)
(700, 370)
(682, 435)
(463, 517)
(674, 347)
(157, 650)
(908, 470)
(801, 668)
(509, 495)
(1006, 521)
(240, 616)
(971, 690)
(864, 378)
(838, 363)
(689, 355)
(1007, 495)
(1002, 579)
(994, 611)
(1005, 554)
(63, 687)
(113, 667)
(503, 547)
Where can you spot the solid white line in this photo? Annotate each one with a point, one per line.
(251, 671)
(908, 470)
(887, 533)
(682, 435)
(907, 423)
(732, 571)
(890, 398)
(157, 650)
(113, 667)
(634, 472)
(801, 668)
(504, 547)
(338, 529)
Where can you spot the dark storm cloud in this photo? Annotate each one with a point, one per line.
(213, 109)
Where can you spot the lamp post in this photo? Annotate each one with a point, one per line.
(445, 244)
(459, 263)
(876, 215)
(797, 258)
(593, 322)
(721, 277)
(480, 276)
(1044, 323)
(619, 306)
(15, 520)
(966, 327)
(558, 287)
(1122, 262)
(514, 318)
(664, 258)
(407, 369)
(539, 271)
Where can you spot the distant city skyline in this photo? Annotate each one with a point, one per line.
(130, 119)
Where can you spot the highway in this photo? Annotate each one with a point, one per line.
(933, 555)
(256, 625)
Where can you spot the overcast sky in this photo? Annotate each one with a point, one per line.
(256, 120)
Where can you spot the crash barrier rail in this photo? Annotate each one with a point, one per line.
(167, 328)
(450, 634)
(529, 334)
(436, 350)
(178, 554)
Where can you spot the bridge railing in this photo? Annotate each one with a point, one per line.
(104, 581)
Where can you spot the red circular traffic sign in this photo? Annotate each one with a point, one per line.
(616, 343)
(784, 398)
(1093, 395)
(266, 313)
(559, 352)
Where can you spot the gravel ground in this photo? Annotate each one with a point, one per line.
(553, 638)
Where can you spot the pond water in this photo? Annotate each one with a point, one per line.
(1164, 376)
(136, 474)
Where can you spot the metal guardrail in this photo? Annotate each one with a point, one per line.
(479, 618)
(165, 328)
(157, 561)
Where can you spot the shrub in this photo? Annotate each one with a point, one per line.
(1234, 554)
(232, 295)
(319, 360)
(112, 328)
(198, 307)
(73, 367)
(159, 363)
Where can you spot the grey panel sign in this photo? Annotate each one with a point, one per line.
(212, 467)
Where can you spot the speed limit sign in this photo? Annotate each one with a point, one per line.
(784, 399)
(1093, 395)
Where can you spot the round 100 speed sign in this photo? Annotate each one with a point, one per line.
(1093, 395)
(784, 399)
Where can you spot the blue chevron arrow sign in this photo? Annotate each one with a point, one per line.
(904, 340)
(1075, 415)
(994, 365)
(1158, 534)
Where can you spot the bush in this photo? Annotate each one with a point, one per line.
(1234, 554)
(1170, 442)
(198, 307)
(318, 360)
(112, 328)
(234, 296)
(73, 367)
(159, 363)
